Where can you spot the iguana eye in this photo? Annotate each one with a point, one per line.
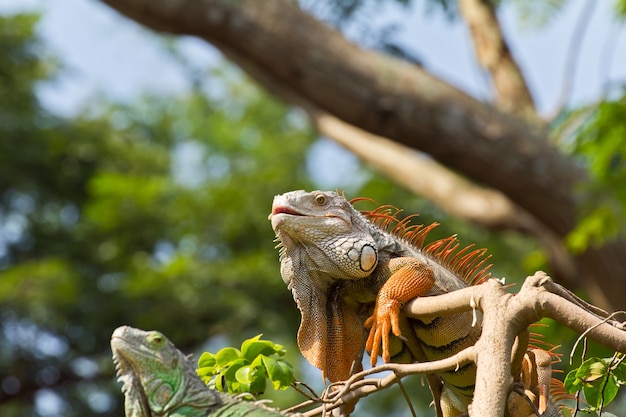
(320, 199)
(155, 339)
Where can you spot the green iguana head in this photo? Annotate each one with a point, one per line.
(157, 378)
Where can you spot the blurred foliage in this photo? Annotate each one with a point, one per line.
(620, 8)
(599, 144)
(537, 14)
(152, 214)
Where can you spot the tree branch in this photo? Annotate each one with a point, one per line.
(357, 386)
(569, 70)
(493, 53)
(539, 297)
(504, 318)
(394, 99)
(380, 94)
(453, 193)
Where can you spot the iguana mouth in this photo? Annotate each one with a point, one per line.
(285, 210)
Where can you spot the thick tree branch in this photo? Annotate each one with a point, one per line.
(512, 92)
(399, 101)
(453, 193)
(380, 94)
(539, 297)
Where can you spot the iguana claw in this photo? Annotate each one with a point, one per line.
(386, 318)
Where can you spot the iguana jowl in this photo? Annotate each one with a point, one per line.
(158, 380)
(347, 272)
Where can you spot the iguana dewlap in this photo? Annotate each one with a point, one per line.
(348, 272)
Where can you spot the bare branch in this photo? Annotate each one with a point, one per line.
(445, 188)
(357, 386)
(493, 53)
(569, 70)
(534, 301)
(505, 324)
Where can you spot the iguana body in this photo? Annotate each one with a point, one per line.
(347, 272)
(160, 381)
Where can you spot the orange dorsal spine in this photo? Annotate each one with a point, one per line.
(469, 265)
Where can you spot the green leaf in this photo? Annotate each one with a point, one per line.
(252, 378)
(279, 372)
(594, 370)
(227, 355)
(247, 370)
(600, 393)
(572, 383)
(597, 381)
(207, 360)
(587, 372)
(230, 376)
(244, 374)
(254, 347)
(620, 374)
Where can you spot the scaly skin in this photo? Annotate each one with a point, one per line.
(347, 274)
(160, 381)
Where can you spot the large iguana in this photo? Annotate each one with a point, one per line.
(351, 270)
(158, 380)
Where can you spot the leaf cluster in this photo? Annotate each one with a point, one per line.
(246, 370)
(599, 379)
(599, 143)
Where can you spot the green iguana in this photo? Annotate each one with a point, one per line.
(350, 271)
(158, 380)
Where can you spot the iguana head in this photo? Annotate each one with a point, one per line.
(335, 237)
(325, 246)
(157, 378)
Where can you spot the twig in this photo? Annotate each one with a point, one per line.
(406, 397)
(357, 386)
(584, 334)
(569, 71)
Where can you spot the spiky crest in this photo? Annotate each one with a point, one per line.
(469, 265)
(536, 341)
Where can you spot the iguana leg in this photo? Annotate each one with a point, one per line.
(535, 378)
(409, 279)
(541, 361)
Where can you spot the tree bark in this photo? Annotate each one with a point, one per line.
(279, 44)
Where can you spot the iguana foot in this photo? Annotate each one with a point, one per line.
(409, 279)
(386, 318)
